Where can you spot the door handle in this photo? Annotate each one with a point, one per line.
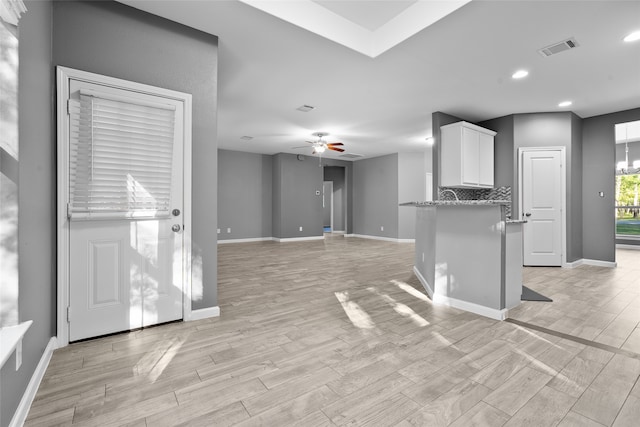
(527, 214)
(175, 228)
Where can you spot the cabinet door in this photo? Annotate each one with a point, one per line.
(470, 154)
(486, 160)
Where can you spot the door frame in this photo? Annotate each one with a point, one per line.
(563, 194)
(63, 75)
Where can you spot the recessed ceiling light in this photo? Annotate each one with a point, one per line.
(520, 74)
(430, 140)
(246, 138)
(632, 37)
(565, 104)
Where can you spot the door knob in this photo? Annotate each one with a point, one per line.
(175, 212)
(527, 214)
(175, 228)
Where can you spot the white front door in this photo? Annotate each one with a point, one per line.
(541, 189)
(125, 263)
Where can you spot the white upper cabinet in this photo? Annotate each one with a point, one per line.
(466, 154)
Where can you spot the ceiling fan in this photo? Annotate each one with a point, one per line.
(321, 146)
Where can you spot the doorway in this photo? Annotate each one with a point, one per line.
(542, 205)
(123, 205)
(327, 206)
(335, 199)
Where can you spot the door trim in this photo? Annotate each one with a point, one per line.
(563, 194)
(63, 75)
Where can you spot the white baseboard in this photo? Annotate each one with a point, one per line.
(297, 239)
(491, 313)
(338, 232)
(386, 239)
(623, 246)
(424, 282)
(203, 313)
(598, 263)
(32, 388)
(594, 262)
(573, 264)
(254, 239)
(462, 305)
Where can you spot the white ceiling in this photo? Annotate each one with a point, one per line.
(381, 103)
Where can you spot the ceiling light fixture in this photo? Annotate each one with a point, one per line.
(520, 74)
(632, 37)
(565, 104)
(430, 140)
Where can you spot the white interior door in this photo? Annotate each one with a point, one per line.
(541, 189)
(125, 243)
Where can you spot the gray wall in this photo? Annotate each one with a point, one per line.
(598, 159)
(505, 171)
(574, 216)
(244, 195)
(37, 192)
(411, 187)
(336, 174)
(119, 41)
(375, 196)
(295, 203)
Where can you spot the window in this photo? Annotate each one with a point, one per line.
(627, 206)
(120, 157)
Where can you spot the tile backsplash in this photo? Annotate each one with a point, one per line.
(498, 193)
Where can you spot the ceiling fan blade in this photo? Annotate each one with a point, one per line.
(335, 149)
(311, 142)
(295, 148)
(334, 143)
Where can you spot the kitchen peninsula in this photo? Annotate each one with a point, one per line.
(469, 255)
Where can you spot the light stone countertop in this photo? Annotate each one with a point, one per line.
(458, 203)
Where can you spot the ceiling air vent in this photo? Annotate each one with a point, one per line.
(351, 156)
(305, 108)
(559, 47)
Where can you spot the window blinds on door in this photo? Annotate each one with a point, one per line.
(120, 157)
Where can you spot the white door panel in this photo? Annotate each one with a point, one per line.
(128, 273)
(542, 207)
(104, 301)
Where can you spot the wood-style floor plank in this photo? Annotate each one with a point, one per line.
(340, 332)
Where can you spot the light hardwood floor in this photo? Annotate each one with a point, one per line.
(339, 332)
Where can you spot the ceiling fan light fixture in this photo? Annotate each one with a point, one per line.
(320, 149)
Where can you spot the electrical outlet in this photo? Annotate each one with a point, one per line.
(382, 228)
(218, 231)
(229, 230)
(300, 228)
